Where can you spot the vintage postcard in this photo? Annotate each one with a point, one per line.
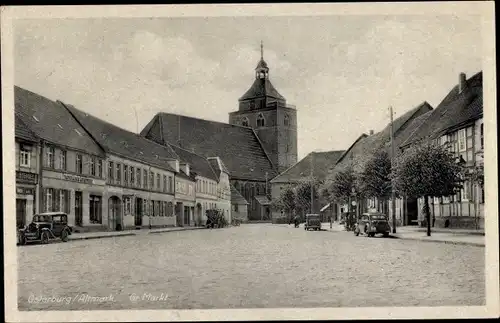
(249, 162)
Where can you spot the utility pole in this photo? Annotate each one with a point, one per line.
(312, 183)
(393, 194)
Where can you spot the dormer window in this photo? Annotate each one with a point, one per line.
(245, 122)
(252, 105)
(261, 122)
(286, 121)
(36, 119)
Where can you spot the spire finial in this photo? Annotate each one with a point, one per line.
(261, 49)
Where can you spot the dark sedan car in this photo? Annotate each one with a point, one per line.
(373, 223)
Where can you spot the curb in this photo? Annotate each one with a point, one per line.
(174, 230)
(442, 241)
(456, 233)
(102, 237)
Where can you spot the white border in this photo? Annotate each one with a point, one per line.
(485, 9)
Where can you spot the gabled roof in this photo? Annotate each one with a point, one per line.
(199, 165)
(261, 88)
(238, 147)
(123, 142)
(23, 132)
(365, 145)
(218, 166)
(455, 110)
(321, 161)
(49, 120)
(236, 197)
(263, 200)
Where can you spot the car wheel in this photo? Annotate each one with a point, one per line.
(22, 239)
(64, 235)
(356, 233)
(44, 237)
(386, 234)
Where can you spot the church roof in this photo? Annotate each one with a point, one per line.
(239, 147)
(261, 88)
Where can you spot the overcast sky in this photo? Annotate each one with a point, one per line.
(341, 72)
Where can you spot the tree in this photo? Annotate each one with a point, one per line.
(427, 171)
(303, 195)
(375, 178)
(286, 201)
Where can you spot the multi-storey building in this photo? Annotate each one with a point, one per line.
(457, 123)
(205, 186)
(140, 175)
(72, 175)
(223, 187)
(27, 169)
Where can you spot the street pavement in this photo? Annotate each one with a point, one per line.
(250, 266)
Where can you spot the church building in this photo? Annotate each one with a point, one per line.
(258, 143)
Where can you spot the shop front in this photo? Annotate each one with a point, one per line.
(82, 198)
(26, 184)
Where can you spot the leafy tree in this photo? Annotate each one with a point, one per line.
(427, 171)
(340, 187)
(303, 194)
(375, 178)
(286, 201)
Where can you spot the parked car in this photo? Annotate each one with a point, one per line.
(313, 221)
(44, 227)
(372, 223)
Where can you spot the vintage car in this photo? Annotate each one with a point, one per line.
(44, 227)
(313, 221)
(371, 224)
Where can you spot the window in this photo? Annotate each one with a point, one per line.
(245, 122)
(261, 122)
(79, 163)
(170, 184)
(111, 171)
(481, 130)
(95, 209)
(49, 193)
(158, 184)
(152, 180)
(125, 175)
(235, 207)
(127, 205)
(157, 208)
(25, 157)
(99, 168)
(465, 191)
(164, 183)
(462, 140)
(49, 157)
(287, 148)
(444, 140)
(286, 120)
(92, 166)
(118, 173)
(132, 178)
(138, 177)
(145, 177)
(482, 195)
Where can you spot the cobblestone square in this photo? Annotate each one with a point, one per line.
(254, 265)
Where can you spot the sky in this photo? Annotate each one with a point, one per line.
(341, 72)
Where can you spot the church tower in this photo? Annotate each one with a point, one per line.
(273, 120)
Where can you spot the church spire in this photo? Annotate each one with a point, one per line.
(262, 71)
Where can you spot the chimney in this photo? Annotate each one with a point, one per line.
(462, 81)
(371, 132)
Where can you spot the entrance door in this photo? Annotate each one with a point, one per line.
(78, 208)
(412, 215)
(20, 213)
(186, 215)
(138, 212)
(114, 206)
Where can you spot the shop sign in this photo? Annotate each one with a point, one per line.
(25, 191)
(78, 179)
(26, 177)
